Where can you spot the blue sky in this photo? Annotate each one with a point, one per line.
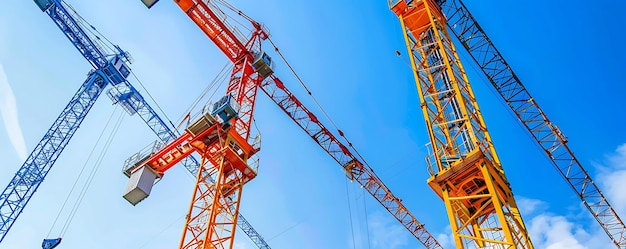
(570, 57)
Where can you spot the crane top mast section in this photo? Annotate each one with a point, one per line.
(212, 21)
(243, 52)
(221, 136)
(86, 45)
(462, 128)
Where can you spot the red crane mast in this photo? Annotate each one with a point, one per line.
(222, 138)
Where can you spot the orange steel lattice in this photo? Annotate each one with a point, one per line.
(225, 147)
(465, 170)
(214, 209)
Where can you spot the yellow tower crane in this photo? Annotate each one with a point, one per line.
(464, 168)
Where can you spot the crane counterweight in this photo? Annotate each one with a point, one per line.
(140, 185)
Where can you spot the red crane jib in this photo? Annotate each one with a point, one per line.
(207, 19)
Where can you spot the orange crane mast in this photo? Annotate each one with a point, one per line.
(464, 167)
(224, 144)
(221, 135)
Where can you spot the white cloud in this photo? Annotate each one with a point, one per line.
(559, 232)
(556, 232)
(386, 232)
(614, 184)
(8, 109)
(612, 179)
(529, 206)
(618, 160)
(551, 231)
(546, 230)
(445, 239)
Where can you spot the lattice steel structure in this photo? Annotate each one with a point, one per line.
(465, 170)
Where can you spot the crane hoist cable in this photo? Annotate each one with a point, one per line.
(367, 223)
(493, 91)
(357, 194)
(109, 45)
(364, 162)
(350, 211)
(214, 85)
(91, 29)
(400, 159)
(92, 175)
(240, 13)
(341, 134)
(87, 182)
(150, 96)
(292, 226)
(155, 236)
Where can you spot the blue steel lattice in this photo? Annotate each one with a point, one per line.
(32, 173)
(70, 27)
(28, 178)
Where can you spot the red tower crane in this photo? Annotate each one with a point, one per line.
(221, 135)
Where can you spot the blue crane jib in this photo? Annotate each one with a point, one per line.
(109, 69)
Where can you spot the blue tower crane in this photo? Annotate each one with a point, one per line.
(109, 69)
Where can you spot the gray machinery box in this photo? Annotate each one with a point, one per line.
(139, 185)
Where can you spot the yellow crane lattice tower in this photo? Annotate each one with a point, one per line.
(464, 168)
